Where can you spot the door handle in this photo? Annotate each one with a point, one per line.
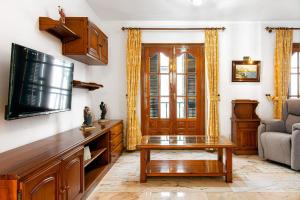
(62, 190)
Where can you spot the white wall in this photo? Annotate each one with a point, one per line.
(112, 76)
(19, 21)
(19, 24)
(238, 40)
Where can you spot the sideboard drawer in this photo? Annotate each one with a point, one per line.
(116, 130)
(248, 125)
(116, 141)
(116, 152)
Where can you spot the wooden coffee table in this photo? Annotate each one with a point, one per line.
(217, 167)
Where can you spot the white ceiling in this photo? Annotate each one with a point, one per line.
(224, 10)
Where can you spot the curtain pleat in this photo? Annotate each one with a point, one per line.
(133, 66)
(212, 63)
(282, 69)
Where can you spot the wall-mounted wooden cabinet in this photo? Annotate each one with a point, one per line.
(92, 46)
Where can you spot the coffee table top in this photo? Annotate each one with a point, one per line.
(183, 142)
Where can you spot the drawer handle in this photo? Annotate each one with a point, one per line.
(62, 190)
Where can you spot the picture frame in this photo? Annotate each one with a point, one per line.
(245, 71)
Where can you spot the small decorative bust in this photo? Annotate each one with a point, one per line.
(103, 111)
(87, 115)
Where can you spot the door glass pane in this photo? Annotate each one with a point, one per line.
(164, 107)
(153, 85)
(181, 107)
(154, 64)
(191, 107)
(181, 85)
(192, 85)
(294, 84)
(191, 64)
(180, 64)
(164, 63)
(164, 84)
(153, 107)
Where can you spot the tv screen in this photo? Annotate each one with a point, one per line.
(38, 84)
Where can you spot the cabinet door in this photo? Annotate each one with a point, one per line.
(103, 44)
(72, 175)
(8, 189)
(43, 184)
(93, 43)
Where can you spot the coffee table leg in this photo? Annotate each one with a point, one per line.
(143, 160)
(220, 154)
(148, 155)
(229, 165)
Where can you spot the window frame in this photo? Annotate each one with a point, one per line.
(296, 48)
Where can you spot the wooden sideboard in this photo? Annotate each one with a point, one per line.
(244, 124)
(53, 168)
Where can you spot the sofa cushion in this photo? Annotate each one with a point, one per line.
(277, 146)
(291, 119)
(293, 106)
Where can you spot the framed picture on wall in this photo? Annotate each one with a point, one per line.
(245, 71)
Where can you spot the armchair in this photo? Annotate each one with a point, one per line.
(279, 140)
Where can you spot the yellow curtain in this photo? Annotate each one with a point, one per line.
(282, 69)
(212, 63)
(133, 65)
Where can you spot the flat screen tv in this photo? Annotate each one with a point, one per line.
(38, 84)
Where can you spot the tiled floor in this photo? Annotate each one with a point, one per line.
(252, 179)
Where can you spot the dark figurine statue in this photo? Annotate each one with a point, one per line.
(103, 110)
(87, 115)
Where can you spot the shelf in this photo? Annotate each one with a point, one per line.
(84, 85)
(57, 29)
(185, 168)
(94, 155)
(94, 175)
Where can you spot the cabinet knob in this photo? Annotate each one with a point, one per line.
(62, 190)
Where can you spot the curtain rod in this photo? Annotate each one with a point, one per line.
(174, 29)
(270, 29)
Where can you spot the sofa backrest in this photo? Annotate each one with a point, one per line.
(291, 113)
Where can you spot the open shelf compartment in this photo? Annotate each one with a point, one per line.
(94, 154)
(57, 29)
(185, 168)
(96, 167)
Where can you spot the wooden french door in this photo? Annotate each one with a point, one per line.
(173, 89)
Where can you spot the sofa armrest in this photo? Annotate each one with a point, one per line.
(296, 126)
(274, 125)
(295, 152)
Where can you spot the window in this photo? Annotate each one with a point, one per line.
(294, 89)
